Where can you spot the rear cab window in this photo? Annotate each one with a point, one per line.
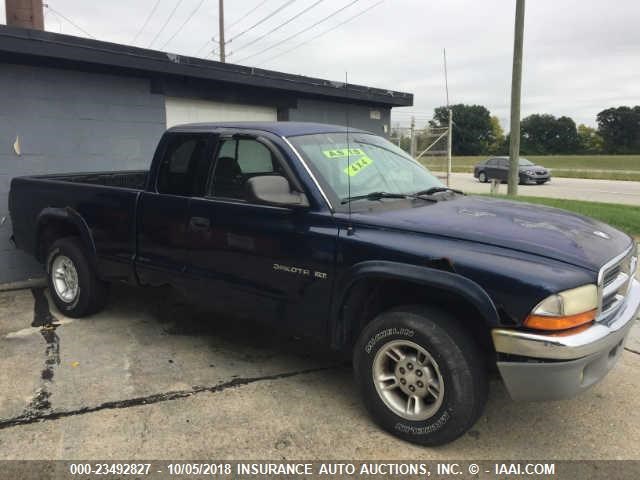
(185, 165)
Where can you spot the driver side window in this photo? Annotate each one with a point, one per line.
(238, 160)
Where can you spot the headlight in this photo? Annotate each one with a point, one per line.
(531, 172)
(564, 310)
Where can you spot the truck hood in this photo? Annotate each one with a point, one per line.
(535, 229)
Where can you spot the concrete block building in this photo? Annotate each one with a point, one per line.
(73, 104)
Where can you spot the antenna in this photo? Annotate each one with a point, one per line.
(446, 80)
(450, 125)
(349, 227)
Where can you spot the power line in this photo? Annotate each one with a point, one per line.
(211, 53)
(210, 40)
(286, 4)
(324, 32)
(279, 26)
(144, 25)
(57, 13)
(299, 32)
(195, 10)
(247, 14)
(165, 23)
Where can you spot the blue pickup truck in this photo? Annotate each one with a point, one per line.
(338, 235)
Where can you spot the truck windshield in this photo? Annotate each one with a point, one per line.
(369, 162)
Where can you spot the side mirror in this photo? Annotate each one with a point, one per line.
(274, 190)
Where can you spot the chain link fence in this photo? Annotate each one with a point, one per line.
(431, 146)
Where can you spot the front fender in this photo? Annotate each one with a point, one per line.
(429, 277)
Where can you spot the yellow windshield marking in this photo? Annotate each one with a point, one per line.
(357, 159)
(357, 166)
(342, 152)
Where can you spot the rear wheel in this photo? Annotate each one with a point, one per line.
(421, 375)
(74, 286)
(482, 177)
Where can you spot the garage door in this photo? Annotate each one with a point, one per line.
(188, 110)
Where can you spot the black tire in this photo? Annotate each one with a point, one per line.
(482, 177)
(91, 291)
(459, 361)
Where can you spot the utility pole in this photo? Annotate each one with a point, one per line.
(449, 139)
(516, 87)
(221, 29)
(412, 144)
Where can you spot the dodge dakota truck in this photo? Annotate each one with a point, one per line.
(338, 235)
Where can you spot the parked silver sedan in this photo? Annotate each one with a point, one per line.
(498, 168)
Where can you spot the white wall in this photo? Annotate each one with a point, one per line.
(189, 110)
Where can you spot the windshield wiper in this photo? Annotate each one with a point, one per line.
(373, 196)
(381, 195)
(432, 190)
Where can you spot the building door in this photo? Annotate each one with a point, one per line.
(190, 110)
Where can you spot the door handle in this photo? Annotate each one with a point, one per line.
(199, 223)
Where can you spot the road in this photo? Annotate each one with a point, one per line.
(153, 378)
(608, 191)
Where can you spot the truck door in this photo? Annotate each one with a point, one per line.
(274, 264)
(163, 244)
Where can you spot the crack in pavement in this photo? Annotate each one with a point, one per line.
(40, 404)
(632, 350)
(26, 419)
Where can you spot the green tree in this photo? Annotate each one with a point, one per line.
(590, 140)
(620, 129)
(472, 131)
(497, 145)
(544, 134)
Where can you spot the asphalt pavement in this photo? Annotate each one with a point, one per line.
(608, 191)
(154, 378)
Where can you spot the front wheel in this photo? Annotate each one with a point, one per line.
(482, 177)
(74, 286)
(421, 375)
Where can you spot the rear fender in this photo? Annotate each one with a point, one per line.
(69, 218)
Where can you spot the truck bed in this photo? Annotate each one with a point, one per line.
(134, 179)
(103, 203)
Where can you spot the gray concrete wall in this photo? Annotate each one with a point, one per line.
(69, 121)
(360, 116)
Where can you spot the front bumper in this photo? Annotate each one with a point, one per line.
(535, 178)
(558, 367)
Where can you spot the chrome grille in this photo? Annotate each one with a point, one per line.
(611, 275)
(614, 281)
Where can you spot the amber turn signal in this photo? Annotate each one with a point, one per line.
(543, 322)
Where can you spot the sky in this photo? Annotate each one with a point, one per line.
(580, 56)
